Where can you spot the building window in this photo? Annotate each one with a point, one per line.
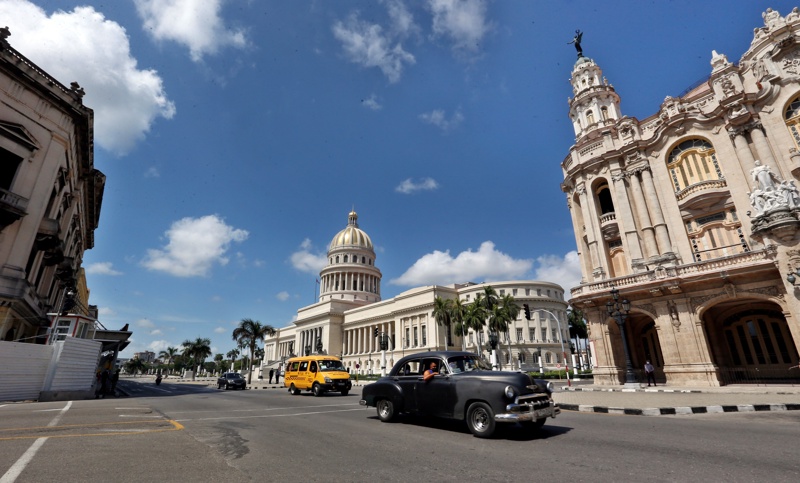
(337, 258)
(604, 113)
(502, 292)
(424, 336)
(467, 297)
(693, 161)
(9, 163)
(519, 335)
(715, 236)
(527, 291)
(792, 118)
(416, 337)
(407, 341)
(532, 334)
(363, 259)
(589, 118)
(514, 292)
(548, 358)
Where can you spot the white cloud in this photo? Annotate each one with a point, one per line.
(438, 117)
(101, 268)
(152, 172)
(105, 312)
(372, 103)
(367, 44)
(308, 262)
(83, 46)
(485, 265)
(156, 332)
(282, 296)
(564, 271)
(462, 21)
(158, 345)
(220, 330)
(195, 245)
(194, 23)
(408, 186)
(145, 324)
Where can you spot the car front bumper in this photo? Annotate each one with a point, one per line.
(338, 385)
(516, 413)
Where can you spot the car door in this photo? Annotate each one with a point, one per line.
(436, 396)
(406, 378)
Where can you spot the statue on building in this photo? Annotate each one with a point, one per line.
(577, 41)
(763, 176)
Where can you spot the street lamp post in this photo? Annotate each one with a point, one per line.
(560, 339)
(493, 345)
(619, 310)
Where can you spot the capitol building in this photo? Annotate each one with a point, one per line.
(349, 311)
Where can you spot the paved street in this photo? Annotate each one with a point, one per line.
(183, 432)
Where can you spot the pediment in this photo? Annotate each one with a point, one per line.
(17, 133)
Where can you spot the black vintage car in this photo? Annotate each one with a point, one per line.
(463, 387)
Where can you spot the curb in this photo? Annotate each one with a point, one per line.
(680, 410)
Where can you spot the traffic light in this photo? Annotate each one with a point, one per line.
(527, 311)
(377, 332)
(68, 303)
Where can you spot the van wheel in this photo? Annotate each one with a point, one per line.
(293, 390)
(345, 391)
(317, 390)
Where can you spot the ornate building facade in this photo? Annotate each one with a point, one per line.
(693, 216)
(50, 195)
(350, 310)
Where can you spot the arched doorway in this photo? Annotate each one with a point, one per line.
(643, 343)
(751, 343)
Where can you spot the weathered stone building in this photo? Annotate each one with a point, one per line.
(50, 195)
(693, 215)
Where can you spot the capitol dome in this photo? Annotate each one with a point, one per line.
(352, 235)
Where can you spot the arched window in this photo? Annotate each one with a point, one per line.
(716, 235)
(604, 199)
(363, 260)
(604, 113)
(345, 259)
(337, 258)
(792, 118)
(548, 358)
(693, 161)
(758, 338)
(589, 118)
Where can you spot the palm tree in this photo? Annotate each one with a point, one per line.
(511, 309)
(169, 354)
(249, 334)
(498, 322)
(577, 329)
(232, 355)
(197, 351)
(135, 365)
(218, 358)
(441, 313)
(475, 319)
(457, 309)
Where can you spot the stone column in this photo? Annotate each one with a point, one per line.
(589, 222)
(662, 233)
(742, 149)
(762, 148)
(625, 217)
(643, 216)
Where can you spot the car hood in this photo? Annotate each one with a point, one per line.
(516, 379)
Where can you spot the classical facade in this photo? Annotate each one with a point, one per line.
(350, 310)
(50, 196)
(693, 216)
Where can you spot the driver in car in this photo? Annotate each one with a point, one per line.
(430, 372)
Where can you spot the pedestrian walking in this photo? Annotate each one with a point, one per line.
(271, 372)
(105, 383)
(277, 375)
(651, 373)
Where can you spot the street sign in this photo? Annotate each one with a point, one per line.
(558, 366)
(358, 365)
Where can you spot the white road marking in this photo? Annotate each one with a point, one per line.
(269, 416)
(265, 409)
(16, 469)
(136, 416)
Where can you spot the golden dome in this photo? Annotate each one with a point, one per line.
(352, 235)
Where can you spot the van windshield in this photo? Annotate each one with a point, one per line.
(330, 365)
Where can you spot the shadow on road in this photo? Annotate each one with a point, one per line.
(513, 432)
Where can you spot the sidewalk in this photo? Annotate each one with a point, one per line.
(666, 400)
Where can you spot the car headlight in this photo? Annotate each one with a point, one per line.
(550, 387)
(511, 393)
(328, 379)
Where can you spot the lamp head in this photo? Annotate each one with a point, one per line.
(626, 305)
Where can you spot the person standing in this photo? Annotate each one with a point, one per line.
(114, 381)
(271, 372)
(651, 373)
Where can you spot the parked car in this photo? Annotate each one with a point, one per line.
(464, 387)
(231, 380)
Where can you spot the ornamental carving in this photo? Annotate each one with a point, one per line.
(791, 63)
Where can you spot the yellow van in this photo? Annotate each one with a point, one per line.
(318, 374)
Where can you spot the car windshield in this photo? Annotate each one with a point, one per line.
(233, 376)
(331, 365)
(465, 363)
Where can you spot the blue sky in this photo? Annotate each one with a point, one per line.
(237, 135)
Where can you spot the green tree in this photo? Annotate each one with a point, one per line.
(135, 365)
(232, 355)
(510, 307)
(197, 350)
(577, 329)
(169, 355)
(248, 334)
(218, 359)
(457, 309)
(475, 319)
(441, 314)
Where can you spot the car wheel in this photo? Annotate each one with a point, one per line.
(227, 386)
(317, 390)
(293, 390)
(480, 420)
(385, 410)
(345, 391)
